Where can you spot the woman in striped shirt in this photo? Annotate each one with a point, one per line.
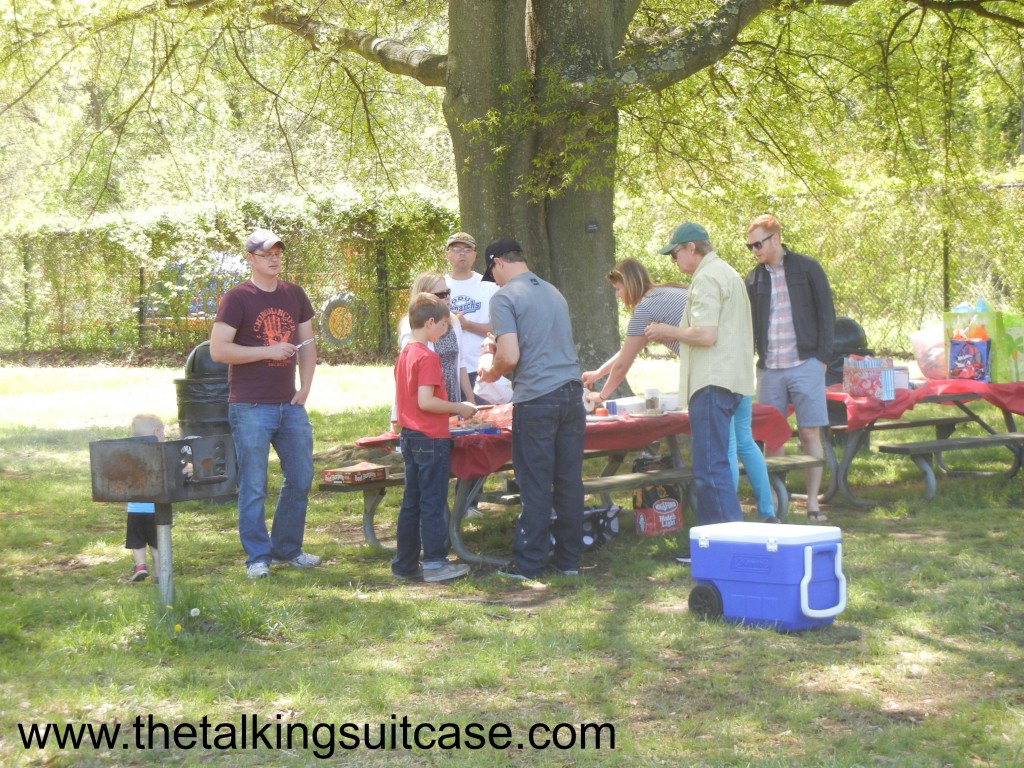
(648, 303)
(665, 303)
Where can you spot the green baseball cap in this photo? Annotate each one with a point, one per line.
(685, 233)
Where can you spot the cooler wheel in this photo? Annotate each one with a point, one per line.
(706, 601)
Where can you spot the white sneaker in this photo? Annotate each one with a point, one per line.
(473, 512)
(302, 560)
(445, 572)
(258, 570)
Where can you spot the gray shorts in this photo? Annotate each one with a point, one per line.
(802, 386)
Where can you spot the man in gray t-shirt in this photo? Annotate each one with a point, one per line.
(535, 349)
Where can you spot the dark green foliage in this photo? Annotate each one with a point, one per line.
(153, 281)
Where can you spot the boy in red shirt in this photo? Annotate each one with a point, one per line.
(423, 410)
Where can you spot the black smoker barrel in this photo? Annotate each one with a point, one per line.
(203, 395)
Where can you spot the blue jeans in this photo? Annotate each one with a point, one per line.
(254, 428)
(741, 443)
(711, 411)
(547, 453)
(423, 515)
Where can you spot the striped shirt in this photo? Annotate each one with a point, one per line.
(661, 304)
(782, 351)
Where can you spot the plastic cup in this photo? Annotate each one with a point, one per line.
(652, 400)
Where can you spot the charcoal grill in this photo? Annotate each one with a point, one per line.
(143, 469)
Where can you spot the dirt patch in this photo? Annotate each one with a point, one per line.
(346, 455)
(79, 562)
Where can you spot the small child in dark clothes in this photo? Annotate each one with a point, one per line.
(141, 528)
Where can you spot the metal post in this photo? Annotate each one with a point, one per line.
(945, 270)
(163, 545)
(141, 307)
(384, 333)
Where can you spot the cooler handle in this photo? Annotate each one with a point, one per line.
(822, 613)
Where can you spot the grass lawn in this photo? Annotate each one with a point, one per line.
(924, 668)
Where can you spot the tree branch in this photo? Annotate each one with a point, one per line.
(977, 7)
(428, 68)
(686, 51)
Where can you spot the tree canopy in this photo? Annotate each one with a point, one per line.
(547, 106)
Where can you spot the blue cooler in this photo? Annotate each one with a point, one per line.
(787, 577)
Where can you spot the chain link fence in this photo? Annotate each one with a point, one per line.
(154, 283)
(895, 260)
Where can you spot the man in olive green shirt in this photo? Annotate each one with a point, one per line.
(716, 365)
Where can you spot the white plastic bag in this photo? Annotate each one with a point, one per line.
(496, 392)
(929, 345)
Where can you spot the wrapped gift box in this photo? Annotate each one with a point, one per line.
(363, 472)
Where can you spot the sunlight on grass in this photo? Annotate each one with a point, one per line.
(925, 666)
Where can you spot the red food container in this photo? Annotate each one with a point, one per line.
(363, 472)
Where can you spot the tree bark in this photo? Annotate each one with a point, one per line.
(504, 177)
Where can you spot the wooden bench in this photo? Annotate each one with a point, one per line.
(928, 452)
(778, 468)
(944, 427)
(373, 494)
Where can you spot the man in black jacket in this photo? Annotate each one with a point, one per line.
(794, 318)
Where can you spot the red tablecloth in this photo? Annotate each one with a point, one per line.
(861, 411)
(480, 455)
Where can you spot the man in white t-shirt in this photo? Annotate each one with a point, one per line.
(470, 298)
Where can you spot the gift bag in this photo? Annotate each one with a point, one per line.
(968, 359)
(659, 508)
(1006, 351)
(869, 377)
(969, 329)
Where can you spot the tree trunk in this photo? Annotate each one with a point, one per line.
(509, 186)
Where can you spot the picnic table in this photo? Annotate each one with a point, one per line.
(475, 457)
(865, 415)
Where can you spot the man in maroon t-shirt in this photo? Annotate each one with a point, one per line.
(259, 332)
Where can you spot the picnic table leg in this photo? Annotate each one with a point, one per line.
(689, 488)
(778, 483)
(610, 468)
(371, 500)
(924, 463)
(1018, 451)
(855, 440)
(465, 491)
(943, 432)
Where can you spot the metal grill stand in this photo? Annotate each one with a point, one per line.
(142, 469)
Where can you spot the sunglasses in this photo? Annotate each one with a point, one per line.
(674, 253)
(756, 245)
(443, 294)
(461, 248)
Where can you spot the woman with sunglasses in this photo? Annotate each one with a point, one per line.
(448, 347)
